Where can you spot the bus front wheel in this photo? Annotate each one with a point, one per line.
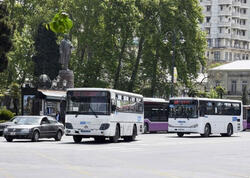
(180, 134)
(207, 131)
(115, 138)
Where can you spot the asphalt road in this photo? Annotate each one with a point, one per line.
(152, 155)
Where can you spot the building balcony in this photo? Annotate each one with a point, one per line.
(236, 14)
(223, 35)
(235, 36)
(224, 24)
(221, 2)
(207, 2)
(236, 4)
(243, 27)
(225, 12)
(244, 16)
(235, 25)
(244, 38)
(207, 13)
(244, 5)
(207, 24)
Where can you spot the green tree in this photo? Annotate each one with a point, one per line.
(220, 91)
(5, 35)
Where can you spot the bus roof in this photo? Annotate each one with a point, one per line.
(156, 100)
(203, 99)
(105, 89)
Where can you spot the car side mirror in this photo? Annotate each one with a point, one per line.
(113, 108)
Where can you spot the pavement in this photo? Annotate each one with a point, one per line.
(150, 156)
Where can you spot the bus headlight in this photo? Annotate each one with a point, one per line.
(194, 126)
(104, 126)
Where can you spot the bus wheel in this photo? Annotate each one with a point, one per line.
(207, 131)
(115, 138)
(77, 138)
(229, 130)
(133, 136)
(146, 128)
(180, 134)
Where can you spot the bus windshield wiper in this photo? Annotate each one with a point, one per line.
(93, 111)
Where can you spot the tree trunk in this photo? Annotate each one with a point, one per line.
(135, 71)
(118, 70)
(154, 74)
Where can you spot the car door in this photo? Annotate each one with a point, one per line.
(44, 129)
(53, 126)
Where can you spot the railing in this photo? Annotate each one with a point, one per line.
(225, 12)
(225, 2)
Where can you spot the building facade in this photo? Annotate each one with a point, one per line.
(234, 77)
(227, 23)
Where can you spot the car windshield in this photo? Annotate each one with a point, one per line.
(183, 109)
(27, 121)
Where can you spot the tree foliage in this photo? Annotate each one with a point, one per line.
(5, 35)
(123, 44)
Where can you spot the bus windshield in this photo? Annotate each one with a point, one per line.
(183, 109)
(88, 102)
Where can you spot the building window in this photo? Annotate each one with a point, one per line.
(208, 8)
(244, 84)
(226, 56)
(233, 86)
(217, 55)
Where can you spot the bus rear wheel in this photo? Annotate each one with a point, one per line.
(133, 136)
(229, 131)
(77, 138)
(180, 134)
(146, 129)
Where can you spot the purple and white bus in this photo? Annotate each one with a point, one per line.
(155, 115)
(246, 117)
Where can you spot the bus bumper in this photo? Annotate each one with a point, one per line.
(89, 133)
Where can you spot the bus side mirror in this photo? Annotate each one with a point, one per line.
(113, 108)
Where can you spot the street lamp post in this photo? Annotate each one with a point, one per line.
(173, 34)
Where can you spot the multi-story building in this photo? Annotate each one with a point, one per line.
(227, 23)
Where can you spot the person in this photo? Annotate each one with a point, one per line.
(65, 52)
(57, 116)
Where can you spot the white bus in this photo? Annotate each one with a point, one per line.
(103, 113)
(205, 116)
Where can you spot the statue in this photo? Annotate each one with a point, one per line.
(65, 52)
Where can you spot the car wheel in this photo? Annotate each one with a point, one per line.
(58, 136)
(8, 139)
(35, 136)
(77, 138)
(115, 138)
(180, 134)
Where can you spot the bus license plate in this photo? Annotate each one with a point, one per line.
(85, 130)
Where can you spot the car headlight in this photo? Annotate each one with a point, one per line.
(25, 130)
